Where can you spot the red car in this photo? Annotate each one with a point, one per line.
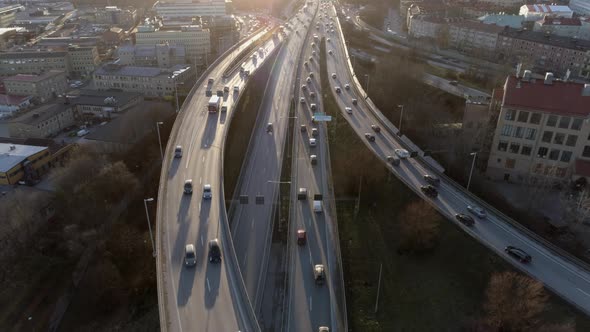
(301, 237)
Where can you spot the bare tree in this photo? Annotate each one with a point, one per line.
(419, 227)
(514, 302)
(560, 327)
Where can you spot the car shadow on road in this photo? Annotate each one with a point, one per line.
(185, 285)
(210, 131)
(212, 281)
(174, 167)
(185, 204)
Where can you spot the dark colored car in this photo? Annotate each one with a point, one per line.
(465, 219)
(433, 180)
(376, 128)
(301, 237)
(214, 251)
(429, 191)
(370, 137)
(208, 93)
(219, 93)
(354, 101)
(518, 253)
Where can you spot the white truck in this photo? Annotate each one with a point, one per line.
(214, 104)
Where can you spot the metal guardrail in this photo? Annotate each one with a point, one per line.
(161, 276)
(511, 222)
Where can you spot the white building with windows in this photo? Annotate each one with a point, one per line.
(537, 12)
(542, 131)
(191, 8)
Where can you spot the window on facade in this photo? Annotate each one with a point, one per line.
(526, 150)
(535, 118)
(502, 146)
(510, 115)
(523, 116)
(519, 132)
(577, 124)
(552, 121)
(564, 122)
(586, 152)
(547, 136)
(506, 130)
(571, 140)
(514, 147)
(566, 156)
(542, 152)
(530, 133)
(559, 138)
(554, 154)
(510, 163)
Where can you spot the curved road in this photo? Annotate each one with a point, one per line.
(201, 298)
(569, 280)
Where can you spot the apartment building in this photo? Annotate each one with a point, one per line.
(564, 27)
(117, 16)
(542, 130)
(22, 162)
(8, 14)
(11, 104)
(160, 55)
(83, 59)
(194, 38)
(544, 52)
(33, 62)
(537, 12)
(422, 26)
(223, 32)
(474, 37)
(44, 121)
(102, 104)
(149, 81)
(190, 8)
(42, 87)
(503, 20)
(580, 7)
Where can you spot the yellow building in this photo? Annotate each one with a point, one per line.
(22, 163)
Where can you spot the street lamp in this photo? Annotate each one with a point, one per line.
(474, 154)
(159, 138)
(400, 120)
(147, 215)
(176, 84)
(368, 78)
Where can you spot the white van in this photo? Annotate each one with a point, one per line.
(224, 107)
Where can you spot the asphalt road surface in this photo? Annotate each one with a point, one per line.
(199, 298)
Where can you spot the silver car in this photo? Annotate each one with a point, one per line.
(479, 212)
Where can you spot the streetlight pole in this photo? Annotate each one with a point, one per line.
(400, 119)
(474, 154)
(159, 138)
(176, 93)
(147, 215)
(368, 78)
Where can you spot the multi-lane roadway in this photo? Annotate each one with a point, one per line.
(204, 297)
(561, 274)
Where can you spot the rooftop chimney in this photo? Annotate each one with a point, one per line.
(526, 77)
(548, 78)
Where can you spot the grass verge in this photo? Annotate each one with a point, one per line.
(438, 291)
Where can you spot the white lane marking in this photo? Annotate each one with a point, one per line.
(310, 309)
(200, 180)
(201, 240)
(583, 292)
(203, 159)
(199, 207)
(208, 286)
(252, 224)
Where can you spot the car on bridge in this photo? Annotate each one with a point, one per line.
(188, 186)
(334, 75)
(354, 101)
(190, 255)
(319, 274)
(370, 137)
(207, 194)
(214, 251)
(479, 212)
(312, 142)
(338, 90)
(301, 237)
(429, 191)
(402, 153)
(465, 219)
(518, 253)
(347, 86)
(376, 128)
(348, 110)
(313, 159)
(431, 179)
(178, 151)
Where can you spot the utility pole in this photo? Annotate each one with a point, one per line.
(399, 132)
(474, 154)
(358, 199)
(147, 215)
(378, 288)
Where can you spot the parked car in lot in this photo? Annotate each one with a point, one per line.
(479, 212)
(370, 137)
(433, 180)
(465, 219)
(402, 153)
(429, 191)
(518, 253)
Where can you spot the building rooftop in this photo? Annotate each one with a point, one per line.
(549, 20)
(10, 100)
(33, 54)
(34, 78)
(560, 97)
(548, 9)
(513, 21)
(476, 25)
(41, 113)
(544, 38)
(114, 69)
(13, 154)
(97, 97)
